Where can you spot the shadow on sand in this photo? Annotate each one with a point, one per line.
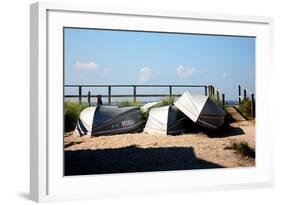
(225, 131)
(228, 131)
(133, 159)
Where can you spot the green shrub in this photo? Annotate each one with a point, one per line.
(243, 148)
(246, 107)
(71, 115)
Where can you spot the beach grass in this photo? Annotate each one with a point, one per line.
(243, 148)
(165, 101)
(129, 103)
(245, 107)
(71, 114)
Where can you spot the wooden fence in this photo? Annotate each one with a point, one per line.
(208, 90)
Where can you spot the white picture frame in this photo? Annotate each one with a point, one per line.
(47, 182)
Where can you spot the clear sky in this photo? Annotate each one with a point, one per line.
(125, 57)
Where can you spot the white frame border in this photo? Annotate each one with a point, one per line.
(39, 78)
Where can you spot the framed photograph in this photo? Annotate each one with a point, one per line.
(129, 102)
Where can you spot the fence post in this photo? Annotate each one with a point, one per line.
(239, 93)
(218, 95)
(80, 94)
(89, 98)
(245, 93)
(170, 90)
(253, 105)
(109, 95)
(223, 100)
(135, 93)
(210, 87)
(206, 91)
(210, 90)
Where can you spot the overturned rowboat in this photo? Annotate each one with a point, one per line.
(167, 120)
(109, 120)
(201, 110)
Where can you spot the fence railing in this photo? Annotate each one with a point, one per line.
(134, 94)
(244, 93)
(208, 90)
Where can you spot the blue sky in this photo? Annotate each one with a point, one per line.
(124, 57)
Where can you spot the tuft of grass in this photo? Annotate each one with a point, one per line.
(243, 148)
(71, 114)
(128, 103)
(165, 101)
(246, 107)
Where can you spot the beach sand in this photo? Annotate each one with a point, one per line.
(147, 152)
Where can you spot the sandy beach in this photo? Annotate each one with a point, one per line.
(146, 152)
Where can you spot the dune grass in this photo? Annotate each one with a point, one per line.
(129, 103)
(71, 114)
(165, 102)
(245, 107)
(243, 148)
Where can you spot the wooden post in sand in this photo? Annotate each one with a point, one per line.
(209, 91)
(80, 94)
(135, 93)
(223, 100)
(109, 95)
(89, 98)
(239, 93)
(170, 91)
(206, 91)
(253, 105)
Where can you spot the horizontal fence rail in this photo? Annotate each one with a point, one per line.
(208, 90)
